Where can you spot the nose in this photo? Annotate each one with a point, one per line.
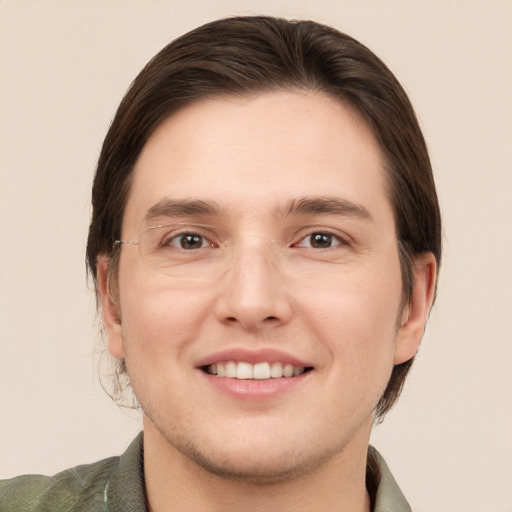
(253, 293)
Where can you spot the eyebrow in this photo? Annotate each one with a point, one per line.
(324, 205)
(299, 206)
(182, 208)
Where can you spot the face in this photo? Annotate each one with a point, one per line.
(261, 324)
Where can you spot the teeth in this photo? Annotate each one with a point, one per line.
(230, 369)
(261, 371)
(288, 370)
(244, 371)
(276, 370)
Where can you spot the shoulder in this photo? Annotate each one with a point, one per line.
(383, 488)
(81, 488)
(110, 485)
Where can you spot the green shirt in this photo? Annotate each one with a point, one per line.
(116, 484)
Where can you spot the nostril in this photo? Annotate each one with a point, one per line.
(252, 321)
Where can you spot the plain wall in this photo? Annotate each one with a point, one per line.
(63, 70)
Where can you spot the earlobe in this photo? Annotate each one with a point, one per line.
(415, 314)
(110, 310)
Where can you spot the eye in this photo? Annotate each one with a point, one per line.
(188, 241)
(320, 240)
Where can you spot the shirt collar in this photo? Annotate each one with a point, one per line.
(125, 490)
(388, 496)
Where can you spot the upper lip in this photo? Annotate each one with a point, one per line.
(270, 355)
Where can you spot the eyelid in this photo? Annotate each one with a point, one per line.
(174, 235)
(170, 241)
(180, 225)
(209, 232)
(172, 231)
(343, 238)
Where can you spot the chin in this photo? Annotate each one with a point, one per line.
(258, 467)
(250, 458)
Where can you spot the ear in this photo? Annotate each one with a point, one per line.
(415, 314)
(110, 310)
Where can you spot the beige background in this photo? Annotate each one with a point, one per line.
(64, 67)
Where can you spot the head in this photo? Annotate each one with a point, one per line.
(246, 57)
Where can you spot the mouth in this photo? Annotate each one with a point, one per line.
(265, 370)
(262, 375)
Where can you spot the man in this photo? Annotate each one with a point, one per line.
(265, 241)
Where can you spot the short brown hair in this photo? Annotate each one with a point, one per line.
(247, 55)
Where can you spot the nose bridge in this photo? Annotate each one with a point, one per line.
(255, 294)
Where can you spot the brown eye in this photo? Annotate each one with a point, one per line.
(189, 241)
(320, 240)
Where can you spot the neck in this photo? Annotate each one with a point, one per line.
(175, 483)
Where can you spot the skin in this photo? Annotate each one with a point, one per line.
(258, 284)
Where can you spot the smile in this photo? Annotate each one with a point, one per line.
(258, 371)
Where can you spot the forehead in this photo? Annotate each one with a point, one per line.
(257, 152)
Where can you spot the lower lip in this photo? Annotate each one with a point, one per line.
(254, 389)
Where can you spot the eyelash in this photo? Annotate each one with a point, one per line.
(168, 239)
(335, 240)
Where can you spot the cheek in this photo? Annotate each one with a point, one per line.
(159, 324)
(355, 316)
(159, 317)
(361, 300)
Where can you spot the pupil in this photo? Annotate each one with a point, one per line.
(191, 241)
(321, 240)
